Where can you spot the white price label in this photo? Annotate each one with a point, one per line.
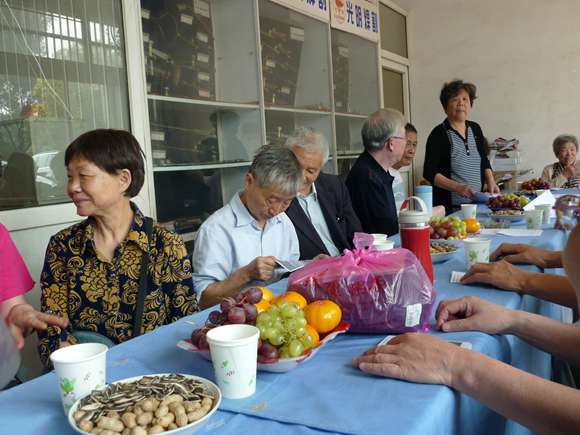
(187, 19)
(148, 87)
(158, 135)
(203, 76)
(413, 315)
(297, 34)
(285, 89)
(270, 63)
(342, 51)
(159, 54)
(145, 37)
(159, 154)
(145, 14)
(204, 93)
(339, 104)
(202, 57)
(202, 37)
(201, 7)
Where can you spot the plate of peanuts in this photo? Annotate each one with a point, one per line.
(175, 404)
(442, 251)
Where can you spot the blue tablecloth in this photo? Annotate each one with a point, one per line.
(326, 394)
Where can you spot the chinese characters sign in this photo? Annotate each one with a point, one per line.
(360, 17)
(315, 8)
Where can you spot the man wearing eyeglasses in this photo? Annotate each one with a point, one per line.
(369, 183)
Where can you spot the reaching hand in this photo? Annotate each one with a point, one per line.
(524, 254)
(472, 314)
(23, 316)
(413, 357)
(262, 268)
(321, 257)
(502, 275)
(465, 191)
(493, 188)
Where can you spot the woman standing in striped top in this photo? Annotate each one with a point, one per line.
(456, 162)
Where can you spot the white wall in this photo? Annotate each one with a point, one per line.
(523, 56)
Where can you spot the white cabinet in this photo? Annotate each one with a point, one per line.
(225, 77)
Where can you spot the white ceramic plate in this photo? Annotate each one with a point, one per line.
(508, 217)
(185, 430)
(444, 256)
(276, 365)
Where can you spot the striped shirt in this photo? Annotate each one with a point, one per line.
(465, 163)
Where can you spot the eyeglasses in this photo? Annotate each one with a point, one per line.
(568, 211)
(397, 137)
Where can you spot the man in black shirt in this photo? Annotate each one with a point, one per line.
(369, 183)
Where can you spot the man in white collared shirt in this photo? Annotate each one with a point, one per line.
(239, 244)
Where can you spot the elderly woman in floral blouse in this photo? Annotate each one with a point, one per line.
(92, 269)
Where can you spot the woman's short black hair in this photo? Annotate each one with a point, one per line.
(112, 151)
(451, 89)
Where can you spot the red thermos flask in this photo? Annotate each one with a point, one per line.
(414, 231)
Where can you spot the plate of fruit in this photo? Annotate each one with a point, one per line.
(509, 201)
(535, 184)
(291, 332)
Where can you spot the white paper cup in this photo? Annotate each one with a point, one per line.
(379, 237)
(476, 250)
(534, 219)
(384, 245)
(547, 209)
(80, 369)
(469, 211)
(234, 353)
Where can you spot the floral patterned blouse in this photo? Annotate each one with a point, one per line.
(98, 295)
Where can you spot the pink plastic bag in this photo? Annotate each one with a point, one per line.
(378, 291)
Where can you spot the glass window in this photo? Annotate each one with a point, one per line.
(393, 31)
(393, 90)
(62, 73)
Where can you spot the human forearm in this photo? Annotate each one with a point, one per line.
(445, 183)
(550, 287)
(553, 337)
(215, 292)
(542, 406)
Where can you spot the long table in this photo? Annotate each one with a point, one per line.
(326, 394)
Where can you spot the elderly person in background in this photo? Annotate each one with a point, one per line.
(566, 171)
(536, 403)
(456, 162)
(239, 244)
(369, 183)
(91, 273)
(406, 160)
(321, 212)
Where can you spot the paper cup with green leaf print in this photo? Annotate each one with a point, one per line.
(234, 354)
(477, 250)
(547, 209)
(80, 369)
(534, 219)
(469, 211)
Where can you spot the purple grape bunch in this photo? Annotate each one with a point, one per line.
(238, 309)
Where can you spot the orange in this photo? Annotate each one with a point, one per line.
(291, 297)
(310, 329)
(323, 316)
(472, 225)
(262, 305)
